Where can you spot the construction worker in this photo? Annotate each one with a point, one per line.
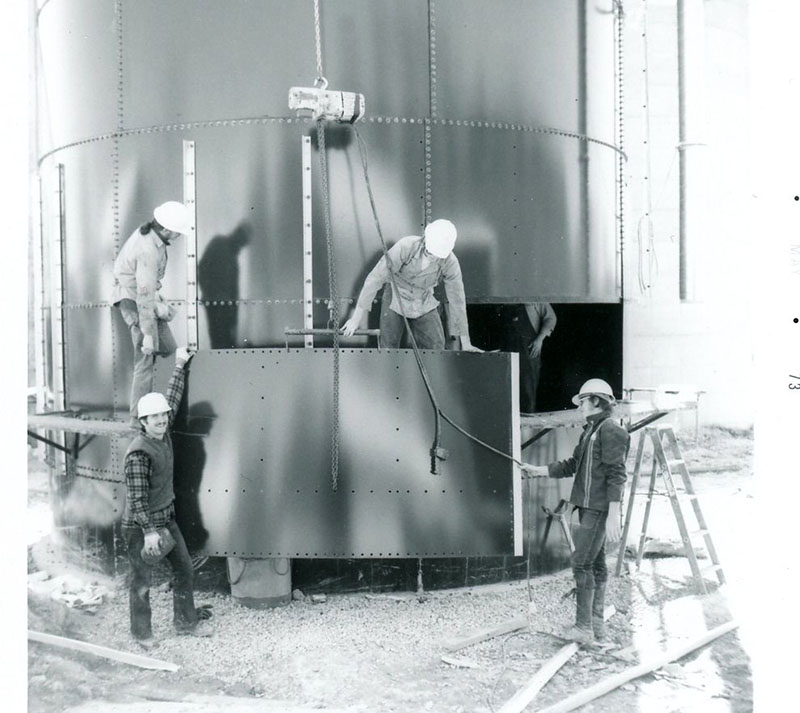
(598, 466)
(527, 326)
(418, 264)
(148, 521)
(138, 271)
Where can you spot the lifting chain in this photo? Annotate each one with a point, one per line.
(318, 38)
(333, 304)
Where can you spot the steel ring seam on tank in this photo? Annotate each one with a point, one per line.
(248, 121)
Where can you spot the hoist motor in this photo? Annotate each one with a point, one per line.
(323, 103)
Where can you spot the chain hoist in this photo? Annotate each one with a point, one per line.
(326, 105)
(318, 101)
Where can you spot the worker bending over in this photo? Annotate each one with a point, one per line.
(148, 522)
(138, 271)
(418, 265)
(598, 466)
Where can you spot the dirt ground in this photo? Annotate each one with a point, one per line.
(357, 652)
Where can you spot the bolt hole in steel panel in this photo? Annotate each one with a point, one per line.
(256, 445)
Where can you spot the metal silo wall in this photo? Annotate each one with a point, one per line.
(498, 115)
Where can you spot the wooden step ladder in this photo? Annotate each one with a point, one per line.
(667, 460)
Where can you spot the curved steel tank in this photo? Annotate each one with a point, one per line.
(497, 115)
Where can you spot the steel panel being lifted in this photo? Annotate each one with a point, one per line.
(255, 443)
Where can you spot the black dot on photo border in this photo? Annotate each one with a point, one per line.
(796, 320)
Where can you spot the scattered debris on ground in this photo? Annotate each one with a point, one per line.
(388, 651)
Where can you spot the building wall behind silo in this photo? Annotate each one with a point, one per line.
(705, 342)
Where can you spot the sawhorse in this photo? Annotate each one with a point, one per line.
(563, 520)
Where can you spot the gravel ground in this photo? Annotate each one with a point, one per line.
(383, 652)
(372, 653)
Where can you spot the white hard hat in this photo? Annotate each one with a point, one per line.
(440, 237)
(173, 216)
(152, 403)
(594, 387)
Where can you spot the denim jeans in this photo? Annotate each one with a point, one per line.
(427, 329)
(589, 559)
(184, 615)
(143, 364)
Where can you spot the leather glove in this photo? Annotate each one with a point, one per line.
(182, 356)
(164, 311)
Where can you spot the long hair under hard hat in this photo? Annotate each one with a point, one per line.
(173, 216)
(594, 387)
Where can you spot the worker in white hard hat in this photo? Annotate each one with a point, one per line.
(138, 271)
(148, 521)
(598, 466)
(418, 265)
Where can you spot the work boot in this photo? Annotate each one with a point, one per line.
(581, 632)
(598, 618)
(578, 635)
(202, 629)
(147, 643)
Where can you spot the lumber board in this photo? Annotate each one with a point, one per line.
(522, 698)
(102, 651)
(73, 424)
(609, 684)
(489, 632)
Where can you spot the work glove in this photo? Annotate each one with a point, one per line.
(164, 311)
(182, 356)
(147, 344)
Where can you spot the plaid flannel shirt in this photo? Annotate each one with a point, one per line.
(138, 469)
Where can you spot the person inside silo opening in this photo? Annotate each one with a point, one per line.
(418, 264)
(138, 271)
(526, 326)
(148, 522)
(598, 466)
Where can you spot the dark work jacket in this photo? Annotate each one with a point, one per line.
(598, 464)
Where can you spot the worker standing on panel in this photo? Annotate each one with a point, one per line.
(598, 466)
(527, 327)
(138, 271)
(418, 264)
(148, 522)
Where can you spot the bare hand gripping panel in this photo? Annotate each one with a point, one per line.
(253, 444)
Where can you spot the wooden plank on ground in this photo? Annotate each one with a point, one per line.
(103, 651)
(530, 690)
(489, 632)
(523, 697)
(609, 684)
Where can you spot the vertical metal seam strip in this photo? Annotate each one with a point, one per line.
(115, 216)
(56, 318)
(59, 343)
(308, 265)
(190, 200)
(620, 265)
(583, 146)
(38, 301)
(428, 193)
